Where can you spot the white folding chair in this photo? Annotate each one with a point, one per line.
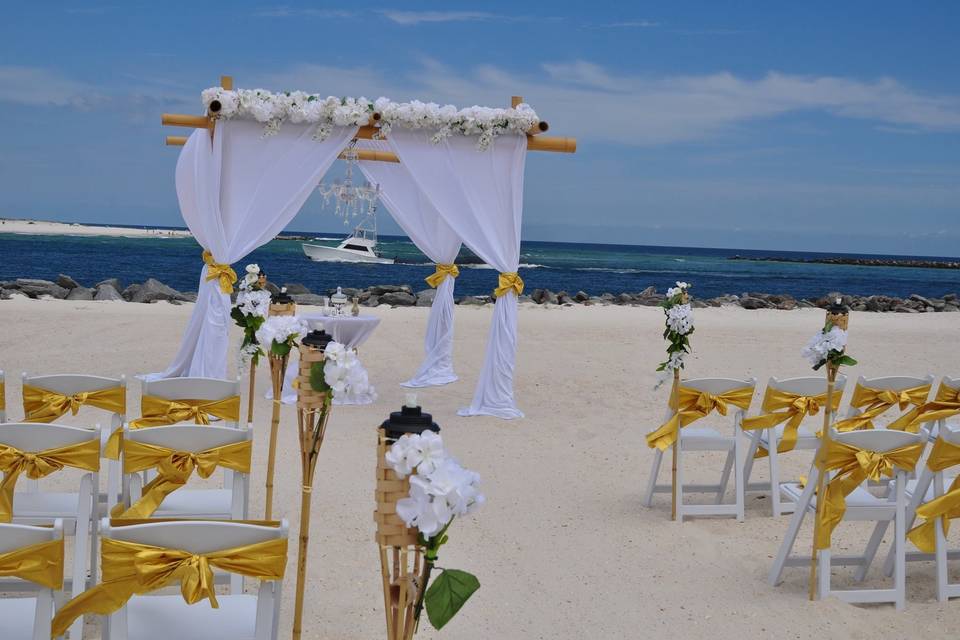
(209, 389)
(895, 384)
(705, 438)
(861, 505)
(26, 618)
(806, 387)
(76, 509)
(162, 617)
(3, 397)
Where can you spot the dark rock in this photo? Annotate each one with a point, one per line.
(398, 299)
(474, 300)
(646, 293)
(787, 304)
(426, 297)
(370, 301)
(295, 287)
(650, 301)
(696, 303)
(950, 308)
(918, 298)
(904, 309)
(950, 297)
(113, 282)
(80, 293)
(540, 295)
(67, 282)
(107, 292)
(130, 291)
(607, 296)
(36, 288)
(380, 289)
(308, 299)
(272, 288)
(153, 290)
(581, 296)
(751, 302)
(624, 298)
(563, 297)
(189, 296)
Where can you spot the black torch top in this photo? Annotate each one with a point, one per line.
(408, 420)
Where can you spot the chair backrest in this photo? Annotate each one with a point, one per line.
(878, 440)
(188, 437)
(72, 383)
(953, 383)
(807, 385)
(716, 386)
(895, 383)
(191, 388)
(17, 536)
(950, 433)
(38, 436)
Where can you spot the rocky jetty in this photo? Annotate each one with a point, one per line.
(401, 295)
(862, 262)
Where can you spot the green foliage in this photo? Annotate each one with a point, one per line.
(318, 382)
(279, 348)
(447, 594)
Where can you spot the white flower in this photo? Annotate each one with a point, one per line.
(345, 375)
(820, 345)
(253, 303)
(680, 319)
(281, 329)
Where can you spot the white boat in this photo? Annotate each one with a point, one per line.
(360, 246)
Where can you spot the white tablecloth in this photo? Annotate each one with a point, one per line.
(351, 331)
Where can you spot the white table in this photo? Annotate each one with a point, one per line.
(350, 331)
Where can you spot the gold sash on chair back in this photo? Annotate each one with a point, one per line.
(174, 469)
(132, 569)
(875, 402)
(39, 464)
(946, 404)
(796, 408)
(40, 563)
(693, 405)
(854, 465)
(943, 456)
(44, 405)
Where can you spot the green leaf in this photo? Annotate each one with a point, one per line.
(280, 348)
(847, 360)
(447, 594)
(318, 382)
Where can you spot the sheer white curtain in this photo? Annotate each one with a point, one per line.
(235, 195)
(480, 195)
(421, 221)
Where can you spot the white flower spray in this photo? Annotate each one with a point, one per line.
(679, 327)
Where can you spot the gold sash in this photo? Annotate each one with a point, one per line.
(443, 271)
(878, 401)
(174, 469)
(854, 465)
(510, 281)
(40, 563)
(44, 405)
(13, 462)
(695, 404)
(157, 412)
(943, 455)
(222, 272)
(946, 404)
(134, 569)
(796, 407)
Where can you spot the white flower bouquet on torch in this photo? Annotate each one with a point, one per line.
(249, 313)
(829, 345)
(679, 328)
(281, 333)
(441, 490)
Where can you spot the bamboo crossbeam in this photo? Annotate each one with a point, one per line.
(185, 120)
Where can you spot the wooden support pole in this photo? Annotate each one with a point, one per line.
(184, 120)
(226, 82)
(515, 100)
(176, 141)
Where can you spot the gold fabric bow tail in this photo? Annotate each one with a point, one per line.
(876, 402)
(443, 271)
(222, 272)
(693, 405)
(44, 405)
(854, 465)
(134, 569)
(943, 456)
(795, 409)
(174, 469)
(14, 463)
(40, 563)
(510, 281)
(946, 404)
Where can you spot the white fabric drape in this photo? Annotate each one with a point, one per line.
(480, 196)
(235, 195)
(421, 221)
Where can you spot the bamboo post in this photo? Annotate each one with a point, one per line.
(675, 405)
(278, 366)
(251, 391)
(313, 413)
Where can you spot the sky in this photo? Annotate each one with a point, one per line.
(809, 126)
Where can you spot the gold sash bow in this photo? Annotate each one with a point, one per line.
(443, 270)
(40, 563)
(134, 569)
(693, 405)
(222, 272)
(510, 281)
(174, 469)
(878, 401)
(943, 455)
(946, 404)
(854, 465)
(796, 407)
(44, 405)
(13, 462)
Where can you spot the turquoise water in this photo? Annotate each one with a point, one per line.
(593, 268)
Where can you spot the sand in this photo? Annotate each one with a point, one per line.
(563, 547)
(44, 227)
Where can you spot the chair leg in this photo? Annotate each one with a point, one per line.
(739, 482)
(899, 542)
(654, 472)
(774, 457)
(679, 448)
(751, 452)
(725, 478)
(81, 550)
(870, 552)
(823, 574)
(776, 571)
(916, 499)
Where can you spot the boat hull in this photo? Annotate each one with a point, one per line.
(320, 253)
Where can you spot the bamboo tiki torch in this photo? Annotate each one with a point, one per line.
(839, 316)
(313, 412)
(675, 406)
(281, 305)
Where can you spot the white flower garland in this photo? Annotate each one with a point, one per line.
(273, 109)
(344, 374)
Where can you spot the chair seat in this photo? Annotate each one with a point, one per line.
(195, 502)
(45, 504)
(860, 497)
(803, 433)
(912, 487)
(705, 439)
(154, 617)
(16, 618)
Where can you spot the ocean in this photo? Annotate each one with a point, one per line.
(558, 266)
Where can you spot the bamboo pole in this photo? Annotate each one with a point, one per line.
(251, 392)
(185, 120)
(278, 366)
(226, 82)
(675, 405)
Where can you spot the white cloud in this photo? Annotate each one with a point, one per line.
(410, 18)
(34, 86)
(629, 24)
(284, 11)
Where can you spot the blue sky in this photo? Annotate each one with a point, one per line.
(805, 126)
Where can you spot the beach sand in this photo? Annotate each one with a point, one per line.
(563, 547)
(44, 227)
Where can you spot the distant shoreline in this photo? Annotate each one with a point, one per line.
(47, 228)
(859, 262)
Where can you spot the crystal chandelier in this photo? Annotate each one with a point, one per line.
(351, 200)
